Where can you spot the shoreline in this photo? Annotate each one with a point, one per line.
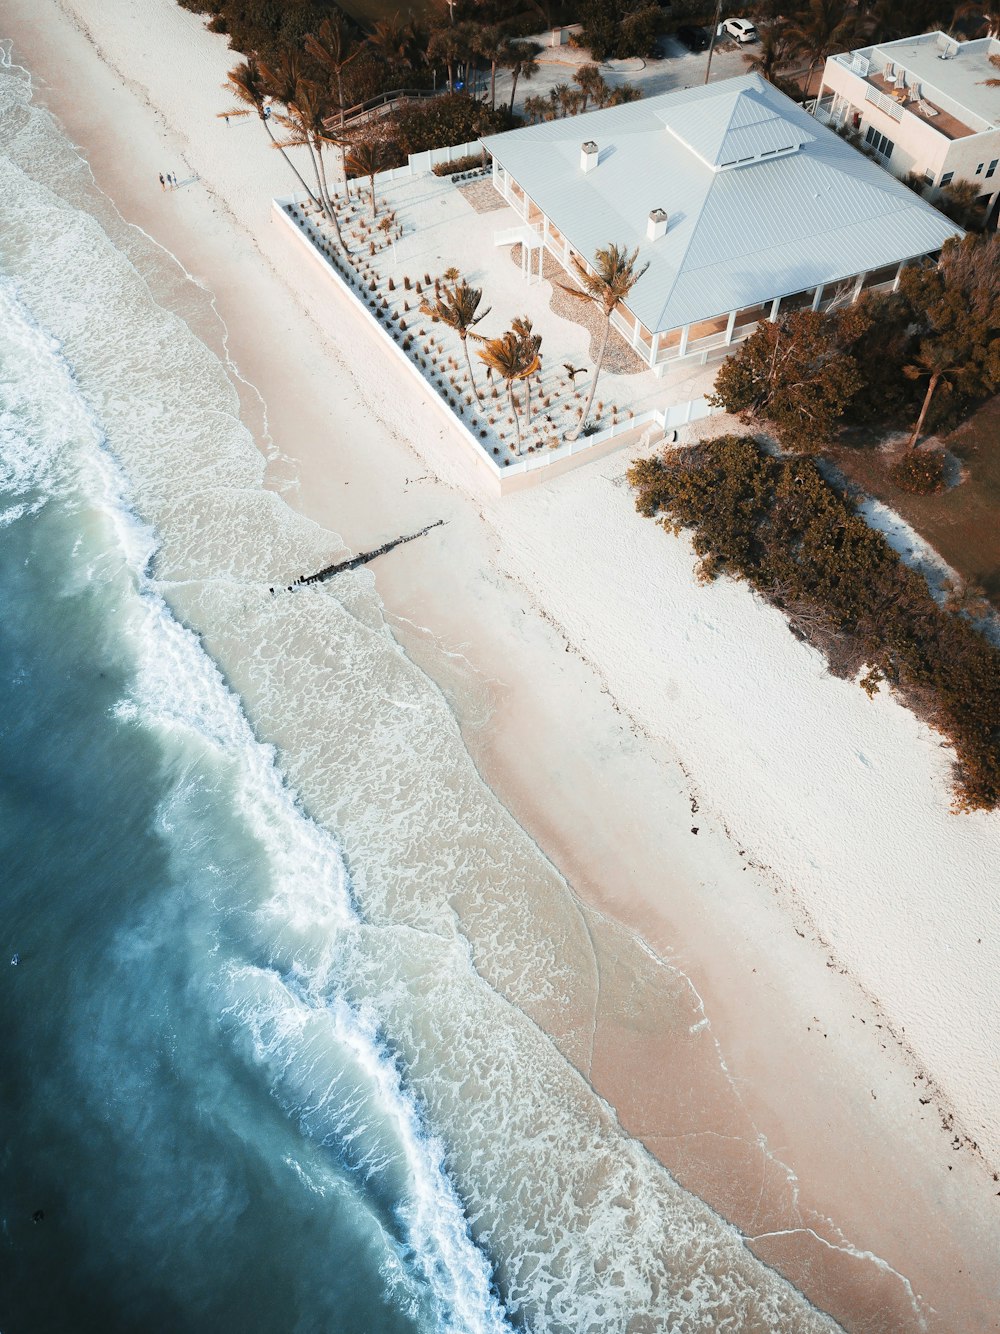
(546, 705)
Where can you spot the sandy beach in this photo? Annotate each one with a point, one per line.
(754, 848)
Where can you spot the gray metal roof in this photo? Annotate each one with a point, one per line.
(770, 227)
(727, 130)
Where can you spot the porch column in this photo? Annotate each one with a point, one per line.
(655, 349)
(774, 309)
(683, 345)
(730, 326)
(817, 297)
(858, 286)
(899, 274)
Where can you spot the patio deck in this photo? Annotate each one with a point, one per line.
(441, 229)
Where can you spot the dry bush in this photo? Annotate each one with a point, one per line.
(801, 545)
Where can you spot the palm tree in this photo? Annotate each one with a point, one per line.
(828, 26)
(513, 358)
(522, 60)
(531, 343)
(938, 361)
(448, 46)
(393, 41)
(246, 82)
(283, 75)
(607, 286)
(774, 51)
(537, 108)
(366, 159)
(625, 92)
(305, 119)
(330, 46)
(557, 96)
(458, 307)
(491, 45)
(591, 84)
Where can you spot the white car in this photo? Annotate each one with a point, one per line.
(740, 30)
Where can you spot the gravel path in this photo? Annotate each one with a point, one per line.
(482, 196)
(619, 358)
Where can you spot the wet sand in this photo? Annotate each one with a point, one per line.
(722, 1027)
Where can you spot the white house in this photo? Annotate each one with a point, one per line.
(922, 105)
(742, 204)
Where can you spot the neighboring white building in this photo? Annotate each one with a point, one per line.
(922, 105)
(742, 204)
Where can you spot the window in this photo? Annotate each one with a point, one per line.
(979, 169)
(992, 167)
(947, 178)
(876, 140)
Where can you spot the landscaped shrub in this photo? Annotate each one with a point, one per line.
(802, 545)
(919, 472)
(467, 163)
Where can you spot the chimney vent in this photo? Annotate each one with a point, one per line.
(588, 156)
(656, 224)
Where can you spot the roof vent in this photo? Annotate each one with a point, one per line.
(656, 224)
(588, 156)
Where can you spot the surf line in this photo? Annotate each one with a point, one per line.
(355, 562)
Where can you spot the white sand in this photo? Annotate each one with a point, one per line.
(620, 691)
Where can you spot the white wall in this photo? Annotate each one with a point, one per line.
(918, 146)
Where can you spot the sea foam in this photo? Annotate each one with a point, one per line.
(400, 1015)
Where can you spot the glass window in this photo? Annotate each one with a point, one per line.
(993, 167)
(947, 178)
(878, 141)
(979, 169)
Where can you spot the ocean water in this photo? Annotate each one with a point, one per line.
(293, 1041)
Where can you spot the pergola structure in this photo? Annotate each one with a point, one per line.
(743, 205)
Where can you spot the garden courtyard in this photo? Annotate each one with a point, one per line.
(431, 232)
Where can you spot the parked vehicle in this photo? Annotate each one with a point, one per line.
(695, 39)
(740, 30)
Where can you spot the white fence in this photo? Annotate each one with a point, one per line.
(662, 420)
(418, 162)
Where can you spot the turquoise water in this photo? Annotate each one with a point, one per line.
(157, 1102)
(287, 1044)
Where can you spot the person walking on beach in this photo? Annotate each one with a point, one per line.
(163, 184)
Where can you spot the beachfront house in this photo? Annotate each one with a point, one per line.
(923, 105)
(742, 204)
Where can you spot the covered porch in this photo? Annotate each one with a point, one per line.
(699, 341)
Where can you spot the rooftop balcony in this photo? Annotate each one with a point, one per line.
(903, 93)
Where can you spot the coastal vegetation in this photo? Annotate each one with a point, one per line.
(798, 541)
(930, 351)
(514, 356)
(457, 306)
(607, 283)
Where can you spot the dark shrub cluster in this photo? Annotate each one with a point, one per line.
(449, 119)
(470, 162)
(776, 523)
(920, 472)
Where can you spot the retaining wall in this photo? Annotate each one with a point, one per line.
(530, 467)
